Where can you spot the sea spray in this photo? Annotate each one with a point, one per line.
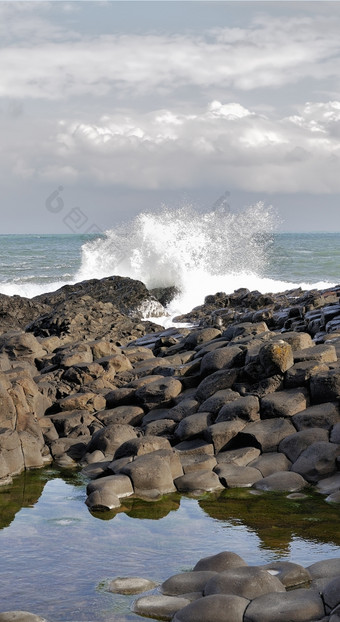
(199, 253)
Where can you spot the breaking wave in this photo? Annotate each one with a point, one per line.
(199, 253)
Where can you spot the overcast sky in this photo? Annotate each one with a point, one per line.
(123, 106)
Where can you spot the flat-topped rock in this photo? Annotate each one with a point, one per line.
(284, 403)
(233, 476)
(215, 608)
(265, 435)
(282, 481)
(290, 574)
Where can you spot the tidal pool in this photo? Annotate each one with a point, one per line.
(57, 557)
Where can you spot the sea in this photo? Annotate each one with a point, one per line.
(200, 253)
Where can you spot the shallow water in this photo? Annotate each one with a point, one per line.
(56, 557)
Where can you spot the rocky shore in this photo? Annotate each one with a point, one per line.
(248, 396)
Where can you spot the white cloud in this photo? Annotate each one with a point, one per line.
(45, 61)
(168, 149)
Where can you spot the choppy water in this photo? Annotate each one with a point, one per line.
(201, 253)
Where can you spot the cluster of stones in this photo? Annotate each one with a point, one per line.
(239, 405)
(223, 588)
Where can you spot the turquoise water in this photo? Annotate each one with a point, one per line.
(56, 557)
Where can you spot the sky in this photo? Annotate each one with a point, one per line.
(111, 108)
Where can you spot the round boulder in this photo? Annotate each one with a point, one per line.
(220, 562)
(246, 581)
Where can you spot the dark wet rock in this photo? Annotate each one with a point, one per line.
(200, 480)
(299, 605)
(284, 403)
(215, 608)
(290, 574)
(265, 435)
(247, 581)
(294, 444)
(282, 481)
(186, 582)
(233, 476)
(220, 562)
(300, 374)
(324, 353)
(324, 416)
(317, 461)
(325, 386)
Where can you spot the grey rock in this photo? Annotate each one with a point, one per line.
(290, 574)
(216, 401)
(222, 358)
(329, 485)
(271, 463)
(198, 463)
(325, 568)
(150, 475)
(276, 357)
(125, 415)
(102, 500)
(193, 425)
(186, 582)
(241, 457)
(233, 476)
(215, 608)
(221, 434)
(220, 562)
(130, 585)
(324, 353)
(317, 461)
(158, 606)
(141, 446)
(247, 408)
(246, 581)
(294, 444)
(323, 415)
(300, 374)
(284, 403)
(110, 438)
(325, 386)
(159, 393)
(20, 616)
(218, 381)
(202, 480)
(299, 605)
(265, 435)
(331, 594)
(119, 484)
(283, 481)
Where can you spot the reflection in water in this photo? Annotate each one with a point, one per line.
(56, 555)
